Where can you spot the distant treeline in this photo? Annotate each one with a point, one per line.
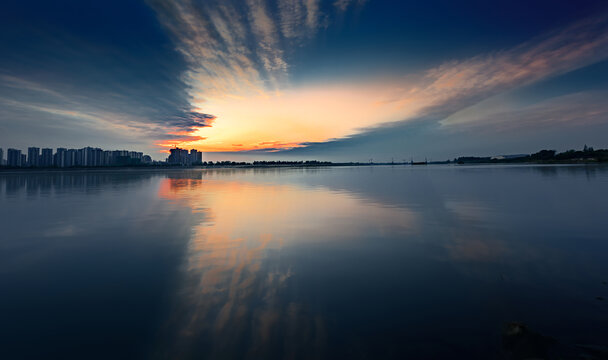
(587, 154)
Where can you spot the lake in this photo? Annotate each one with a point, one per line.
(369, 262)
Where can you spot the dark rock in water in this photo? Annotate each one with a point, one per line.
(521, 343)
(599, 298)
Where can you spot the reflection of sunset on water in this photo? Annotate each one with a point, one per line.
(367, 262)
(236, 285)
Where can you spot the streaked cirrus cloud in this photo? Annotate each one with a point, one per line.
(240, 74)
(274, 75)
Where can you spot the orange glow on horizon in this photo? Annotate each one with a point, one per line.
(232, 147)
(287, 119)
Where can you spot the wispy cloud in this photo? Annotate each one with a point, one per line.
(578, 109)
(235, 51)
(232, 50)
(102, 116)
(299, 19)
(268, 50)
(458, 83)
(438, 94)
(239, 72)
(228, 82)
(72, 86)
(312, 13)
(343, 5)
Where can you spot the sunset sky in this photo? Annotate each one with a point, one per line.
(341, 80)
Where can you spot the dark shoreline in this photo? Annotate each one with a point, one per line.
(8, 170)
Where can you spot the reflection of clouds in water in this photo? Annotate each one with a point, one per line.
(233, 300)
(470, 239)
(476, 246)
(62, 230)
(239, 294)
(228, 299)
(230, 272)
(481, 221)
(274, 264)
(469, 210)
(472, 248)
(471, 220)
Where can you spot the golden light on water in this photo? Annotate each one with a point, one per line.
(239, 225)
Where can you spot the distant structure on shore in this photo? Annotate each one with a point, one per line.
(182, 157)
(586, 155)
(65, 158)
(96, 157)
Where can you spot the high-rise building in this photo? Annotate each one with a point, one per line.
(120, 157)
(136, 157)
(178, 156)
(87, 156)
(70, 157)
(91, 156)
(13, 157)
(80, 159)
(106, 158)
(196, 157)
(60, 157)
(97, 157)
(33, 156)
(46, 159)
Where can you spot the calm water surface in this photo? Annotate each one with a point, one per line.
(368, 262)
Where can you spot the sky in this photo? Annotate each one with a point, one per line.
(338, 80)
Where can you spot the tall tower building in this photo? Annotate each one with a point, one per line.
(71, 157)
(46, 159)
(179, 156)
(33, 156)
(107, 158)
(13, 157)
(60, 157)
(80, 157)
(196, 157)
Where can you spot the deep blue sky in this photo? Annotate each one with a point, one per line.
(411, 35)
(432, 79)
